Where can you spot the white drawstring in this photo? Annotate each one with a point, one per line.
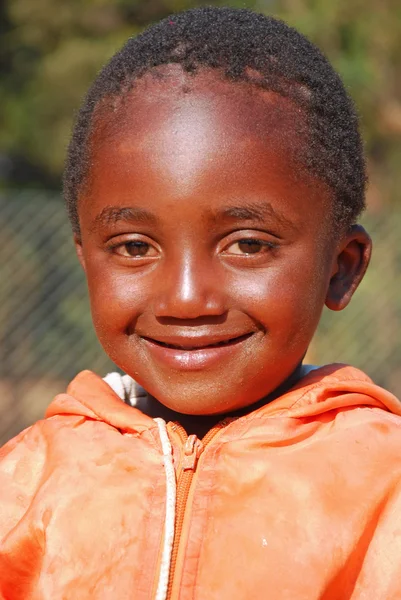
(130, 391)
(169, 523)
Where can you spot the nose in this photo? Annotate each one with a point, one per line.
(190, 289)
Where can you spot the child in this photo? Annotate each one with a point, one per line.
(214, 180)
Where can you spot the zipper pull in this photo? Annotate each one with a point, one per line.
(193, 448)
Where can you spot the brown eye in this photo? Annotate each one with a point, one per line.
(249, 246)
(135, 249)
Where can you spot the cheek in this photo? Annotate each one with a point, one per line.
(286, 299)
(116, 299)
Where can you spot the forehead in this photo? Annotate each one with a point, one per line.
(177, 134)
(174, 100)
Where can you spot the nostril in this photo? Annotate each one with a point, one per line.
(177, 308)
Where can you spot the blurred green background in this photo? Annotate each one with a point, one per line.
(50, 50)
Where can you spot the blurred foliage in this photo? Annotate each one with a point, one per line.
(50, 50)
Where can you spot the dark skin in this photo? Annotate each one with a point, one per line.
(209, 251)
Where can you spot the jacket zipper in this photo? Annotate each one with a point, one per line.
(192, 449)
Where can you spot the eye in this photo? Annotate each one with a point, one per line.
(249, 246)
(134, 249)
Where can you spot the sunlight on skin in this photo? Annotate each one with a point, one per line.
(190, 173)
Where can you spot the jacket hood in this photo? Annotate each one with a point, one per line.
(90, 396)
(335, 386)
(323, 389)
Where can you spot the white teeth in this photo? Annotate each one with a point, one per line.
(216, 345)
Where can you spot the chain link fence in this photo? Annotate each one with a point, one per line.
(46, 335)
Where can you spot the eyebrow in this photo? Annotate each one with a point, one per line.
(257, 211)
(111, 215)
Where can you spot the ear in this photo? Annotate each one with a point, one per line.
(79, 250)
(351, 262)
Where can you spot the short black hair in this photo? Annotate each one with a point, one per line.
(239, 42)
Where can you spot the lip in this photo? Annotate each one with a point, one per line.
(194, 353)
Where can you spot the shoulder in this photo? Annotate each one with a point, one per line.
(23, 457)
(39, 448)
(22, 465)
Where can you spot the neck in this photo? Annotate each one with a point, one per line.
(201, 424)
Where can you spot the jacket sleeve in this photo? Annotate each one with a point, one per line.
(22, 471)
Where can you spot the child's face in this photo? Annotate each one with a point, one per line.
(208, 259)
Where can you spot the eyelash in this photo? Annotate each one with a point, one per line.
(133, 243)
(263, 244)
(264, 247)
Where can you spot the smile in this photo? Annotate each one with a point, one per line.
(195, 354)
(200, 345)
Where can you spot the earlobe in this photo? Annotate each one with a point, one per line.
(351, 262)
(79, 250)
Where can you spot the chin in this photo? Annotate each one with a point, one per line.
(199, 400)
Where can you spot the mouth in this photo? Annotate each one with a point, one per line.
(200, 344)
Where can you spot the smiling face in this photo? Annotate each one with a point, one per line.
(208, 256)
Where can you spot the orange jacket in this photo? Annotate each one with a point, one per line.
(299, 500)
